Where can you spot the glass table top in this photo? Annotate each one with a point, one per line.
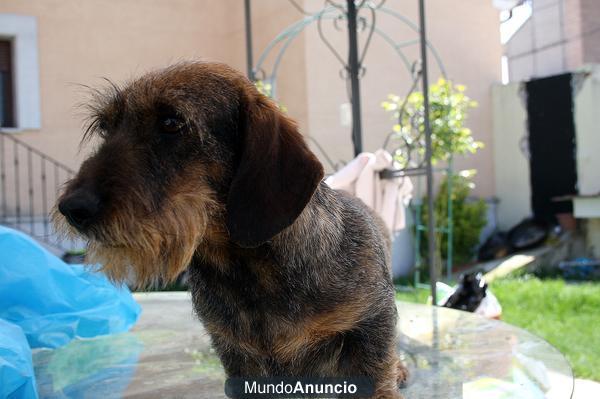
(450, 354)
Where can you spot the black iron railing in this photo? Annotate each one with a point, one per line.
(30, 182)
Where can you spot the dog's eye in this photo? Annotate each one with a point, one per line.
(171, 124)
(102, 128)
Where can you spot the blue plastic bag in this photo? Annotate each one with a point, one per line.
(16, 371)
(54, 302)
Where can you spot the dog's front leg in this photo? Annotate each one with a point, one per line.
(238, 363)
(361, 356)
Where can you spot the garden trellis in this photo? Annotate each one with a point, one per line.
(352, 70)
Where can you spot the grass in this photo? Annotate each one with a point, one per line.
(564, 314)
(417, 296)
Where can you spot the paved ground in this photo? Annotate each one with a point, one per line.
(586, 389)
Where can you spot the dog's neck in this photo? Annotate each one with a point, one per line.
(314, 233)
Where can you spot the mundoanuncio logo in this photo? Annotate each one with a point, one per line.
(290, 387)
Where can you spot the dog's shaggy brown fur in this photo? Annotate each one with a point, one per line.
(196, 169)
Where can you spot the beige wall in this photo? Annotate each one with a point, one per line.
(560, 36)
(540, 48)
(82, 41)
(590, 30)
(469, 45)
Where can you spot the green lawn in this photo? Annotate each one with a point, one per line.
(566, 315)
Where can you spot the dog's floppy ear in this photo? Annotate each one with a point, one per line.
(276, 176)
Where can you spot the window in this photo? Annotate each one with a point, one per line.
(19, 73)
(7, 118)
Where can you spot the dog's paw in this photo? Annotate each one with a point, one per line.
(402, 375)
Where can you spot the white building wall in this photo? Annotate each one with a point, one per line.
(511, 165)
(587, 125)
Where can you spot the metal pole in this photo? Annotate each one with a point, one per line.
(248, 20)
(353, 72)
(430, 214)
(450, 221)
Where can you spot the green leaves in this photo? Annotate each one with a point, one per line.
(266, 89)
(449, 108)
(468, 217)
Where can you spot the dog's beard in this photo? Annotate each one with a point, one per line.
(149, 249)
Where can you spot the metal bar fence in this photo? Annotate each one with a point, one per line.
(28, 192)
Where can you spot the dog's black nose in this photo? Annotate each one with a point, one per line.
(80, 207)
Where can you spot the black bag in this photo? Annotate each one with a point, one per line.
(495, 247)
(528, 234)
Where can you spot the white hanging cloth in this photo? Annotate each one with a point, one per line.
(388, 197)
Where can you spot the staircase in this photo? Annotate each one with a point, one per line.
(30, 182)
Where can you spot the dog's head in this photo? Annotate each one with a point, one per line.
(188, 154)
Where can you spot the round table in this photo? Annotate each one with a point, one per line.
(450, 354)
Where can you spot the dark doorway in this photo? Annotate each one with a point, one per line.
(553, 167)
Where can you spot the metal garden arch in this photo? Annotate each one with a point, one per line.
(349, 10)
